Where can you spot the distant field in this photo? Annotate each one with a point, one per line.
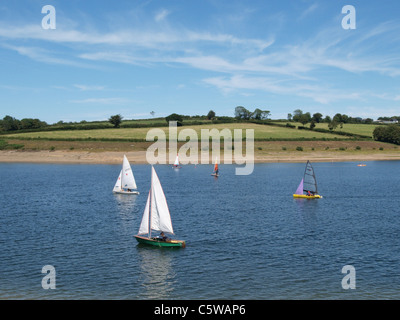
(260, 132)
(354, 128)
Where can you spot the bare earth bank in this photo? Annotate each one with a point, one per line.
(111, 157)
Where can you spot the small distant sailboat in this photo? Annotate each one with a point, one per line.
(176, 163)
(361, 165)
(126, 183)
(308, 185)
(216, 171)
(156, 216)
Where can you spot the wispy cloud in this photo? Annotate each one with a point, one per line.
(308, 11)
(101, 101)
(43, 55)
(237, 62)
(316, 92)
(84, 87)
(161, 15)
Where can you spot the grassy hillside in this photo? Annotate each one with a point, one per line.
(354, 128)
(261, 132)
(269, 139)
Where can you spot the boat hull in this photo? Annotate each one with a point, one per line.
(304, 196)
(126, 192)
(160, 243)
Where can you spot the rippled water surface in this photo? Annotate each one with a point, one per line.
(247, 238)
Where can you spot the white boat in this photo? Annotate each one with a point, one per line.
(126, 183)
(156, 217)
(176, 163)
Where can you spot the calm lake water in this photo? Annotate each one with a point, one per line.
(246, 237)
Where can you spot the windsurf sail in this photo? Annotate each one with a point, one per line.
(216, 167)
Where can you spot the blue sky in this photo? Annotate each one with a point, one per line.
(192, 56)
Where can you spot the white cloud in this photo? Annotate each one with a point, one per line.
(101, 101)
(84, 87)
(315, 92)
(161, 15)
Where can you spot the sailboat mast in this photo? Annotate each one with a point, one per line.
(151, 201)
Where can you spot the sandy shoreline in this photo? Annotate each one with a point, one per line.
(139, 157)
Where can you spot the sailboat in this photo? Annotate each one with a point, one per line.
(126, 183)
(156, 216)
(176, 163)
(308, 184)
(216, 171)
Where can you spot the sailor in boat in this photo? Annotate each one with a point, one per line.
(163, 237)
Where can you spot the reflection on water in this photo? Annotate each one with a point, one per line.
(125, 203)
(158, 276)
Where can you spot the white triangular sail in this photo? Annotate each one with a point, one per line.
(160, 216)
(176, 163)
(144, 225)
(125, 180)
(156, 214)
(117, 186)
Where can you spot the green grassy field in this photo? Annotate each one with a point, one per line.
(353, 128)
(260, 132)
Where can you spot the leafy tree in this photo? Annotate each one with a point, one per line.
(242, 113)
(390, 133)
(297, 114)
(327, 119)
(259, 114)
(289, 117)
(28, 123)
(152, 113)
(317, 117)
(175, 117)
(9, 123)
(210, 115)
(332, 125)
(115, 120)
(304, 118)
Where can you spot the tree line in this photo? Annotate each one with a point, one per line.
(9, 123)
(390, 133)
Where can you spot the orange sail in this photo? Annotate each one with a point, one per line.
(215, 173)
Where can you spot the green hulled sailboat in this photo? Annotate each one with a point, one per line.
(156, 217)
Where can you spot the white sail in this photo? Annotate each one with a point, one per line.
(144, 225)
(176, 163)
(127, 179)
(117, 186)
(160, 216)
(156, 213)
